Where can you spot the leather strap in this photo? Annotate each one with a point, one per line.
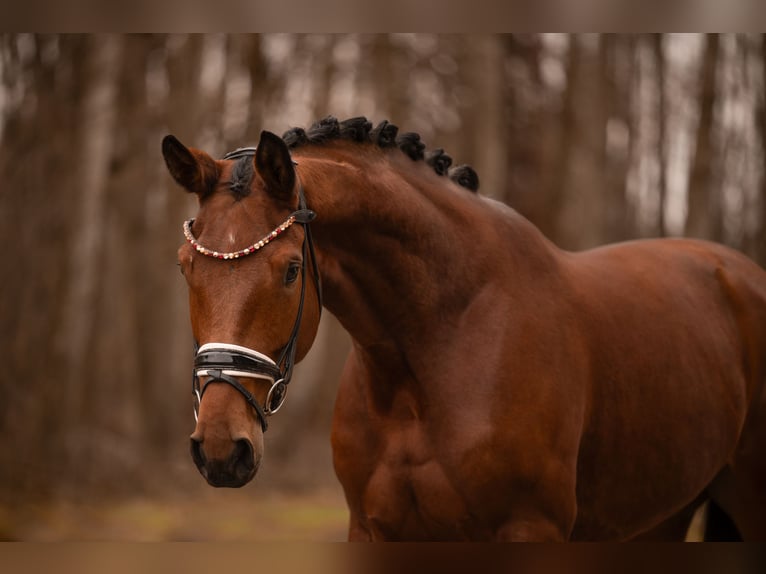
(224, 360)
(215, 375)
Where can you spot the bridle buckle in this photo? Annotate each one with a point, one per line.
(277, 394)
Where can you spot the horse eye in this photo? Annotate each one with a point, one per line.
(180, 268)
(292, 273)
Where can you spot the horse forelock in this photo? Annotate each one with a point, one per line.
(241, 177)
(384, 135)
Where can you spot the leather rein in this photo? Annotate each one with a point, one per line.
(226, 362)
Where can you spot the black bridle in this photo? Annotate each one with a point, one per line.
(226, 363)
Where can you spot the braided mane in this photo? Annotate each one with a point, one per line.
(384, 135)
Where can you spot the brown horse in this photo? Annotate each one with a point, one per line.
(498, 387)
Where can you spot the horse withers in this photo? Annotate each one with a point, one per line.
(498, 387)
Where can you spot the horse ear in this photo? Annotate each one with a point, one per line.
(194, 170)
(274, 164)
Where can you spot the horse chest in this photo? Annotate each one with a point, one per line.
(403, 478)
(408, 494)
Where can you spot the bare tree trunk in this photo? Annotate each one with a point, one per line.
(141, 227)
(38, 167)
(580, 191)
(260, 82)
(383, 79)
(324, 68)
(760, 234)
(560, 162)
(617, 55)
(524, 127)
(86, 255)
(659, 67)
(487, 116)
(180, 112)
(212, 86)
(184, 63)
(704, 210)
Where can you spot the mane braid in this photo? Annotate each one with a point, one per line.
(465, 176)
(356, 129)
(325, 129)
(360, 130)
(410, 144)
(384, 134)
(295, 137)
(439, 160)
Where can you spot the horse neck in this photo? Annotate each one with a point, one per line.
(403, 251)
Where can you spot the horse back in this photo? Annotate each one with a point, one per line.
(713, 293)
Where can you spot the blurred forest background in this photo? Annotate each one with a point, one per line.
(595, 138)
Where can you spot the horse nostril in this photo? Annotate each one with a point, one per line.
(196, 453)
(243, 451)
(243, 457)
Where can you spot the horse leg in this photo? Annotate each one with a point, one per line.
(739, 489)
(672, 529)
(356, 532)
(530, 523)
(719, 526)
(738, 509)
(531, 530)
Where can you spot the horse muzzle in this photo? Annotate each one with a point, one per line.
(231, 469)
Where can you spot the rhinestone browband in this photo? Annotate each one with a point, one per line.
(242, 252)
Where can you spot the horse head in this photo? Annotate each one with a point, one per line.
(254, 307)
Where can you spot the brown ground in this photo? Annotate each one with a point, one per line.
(200, 514)
(204, 515)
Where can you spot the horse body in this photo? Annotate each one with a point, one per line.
(525, 389)
(501, 388)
